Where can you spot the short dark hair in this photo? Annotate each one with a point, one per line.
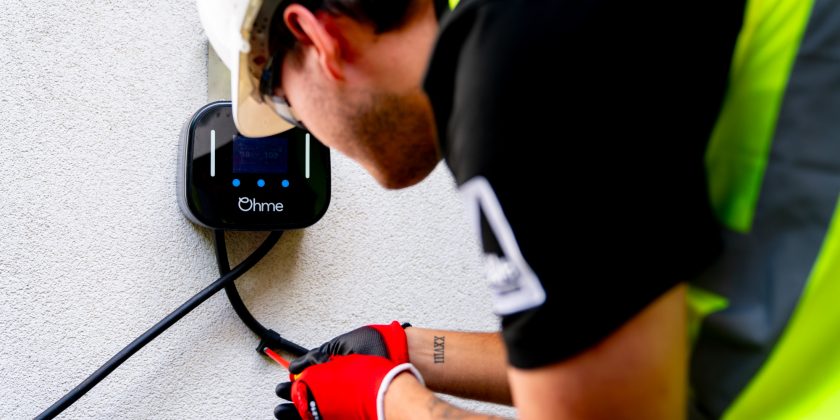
(384, 15)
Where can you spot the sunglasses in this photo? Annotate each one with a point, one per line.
(272, 93)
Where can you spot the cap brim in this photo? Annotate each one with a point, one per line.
(253, 117)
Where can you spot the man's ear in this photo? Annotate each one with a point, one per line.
(311, 31)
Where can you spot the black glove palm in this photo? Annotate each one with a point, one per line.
(386, 341)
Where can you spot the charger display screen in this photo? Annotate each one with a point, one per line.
(269, 155)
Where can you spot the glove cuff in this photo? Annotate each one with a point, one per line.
(396, 342)
(386, 381)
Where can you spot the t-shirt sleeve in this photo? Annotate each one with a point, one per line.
(583, 173)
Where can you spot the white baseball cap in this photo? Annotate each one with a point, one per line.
(238, 30)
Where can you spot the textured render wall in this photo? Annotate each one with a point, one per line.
(93, 249)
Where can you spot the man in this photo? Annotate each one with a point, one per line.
(602, 106)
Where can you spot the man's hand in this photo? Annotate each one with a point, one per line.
(337, 369)
(335, 387)
(386, 341)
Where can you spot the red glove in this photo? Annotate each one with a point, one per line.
(387, 341)
(342, 387)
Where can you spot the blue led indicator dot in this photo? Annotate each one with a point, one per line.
(285, 183)
(261, 183)
(236, 182)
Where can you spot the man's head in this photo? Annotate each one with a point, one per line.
(351, 71)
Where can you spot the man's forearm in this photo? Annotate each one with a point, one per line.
(406, 399)
(469, 365)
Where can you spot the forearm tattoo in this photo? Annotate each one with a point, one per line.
(439, 348)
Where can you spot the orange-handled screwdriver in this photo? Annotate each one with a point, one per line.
(276, 357)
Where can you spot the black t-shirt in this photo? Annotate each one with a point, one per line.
(576, 130)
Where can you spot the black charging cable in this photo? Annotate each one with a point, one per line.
(161, 326)
(268, 338)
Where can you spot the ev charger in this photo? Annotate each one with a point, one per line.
(228, 181)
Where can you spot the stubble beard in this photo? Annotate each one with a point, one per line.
(396, 137)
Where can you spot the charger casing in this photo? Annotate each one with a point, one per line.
(231, 182)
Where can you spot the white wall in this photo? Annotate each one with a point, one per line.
(93, 248)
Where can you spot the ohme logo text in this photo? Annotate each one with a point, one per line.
(250, 204)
